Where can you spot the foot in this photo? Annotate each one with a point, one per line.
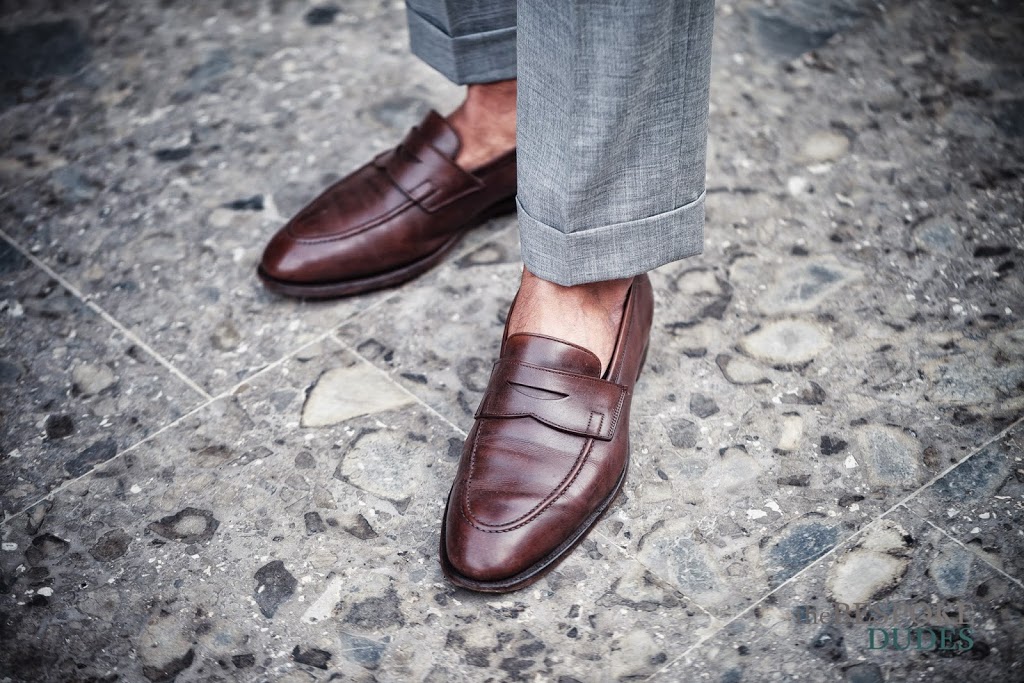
(586, 315)
(549, 449)
(485, 123)
(363, 233)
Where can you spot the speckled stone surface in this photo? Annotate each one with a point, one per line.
(204, 482)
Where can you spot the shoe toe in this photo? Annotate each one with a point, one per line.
(486, 556)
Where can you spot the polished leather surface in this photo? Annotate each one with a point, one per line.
(391, 216)
(546, 455)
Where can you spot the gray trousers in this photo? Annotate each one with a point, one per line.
(612, 110)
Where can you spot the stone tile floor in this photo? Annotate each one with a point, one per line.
(203, 482)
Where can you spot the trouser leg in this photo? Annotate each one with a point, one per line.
(468, 41)
(612, 133)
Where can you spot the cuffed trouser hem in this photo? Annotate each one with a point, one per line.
(611, 251)
(473, 58)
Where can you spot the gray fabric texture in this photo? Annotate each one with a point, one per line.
(468, 41)
(612, 111)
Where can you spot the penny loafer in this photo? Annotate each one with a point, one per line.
(547, 455)
(389, 221)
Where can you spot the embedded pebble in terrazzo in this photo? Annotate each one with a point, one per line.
(365, 652)
(797, 185)
(872, 567)
(59, 426)
(972, 378)
(830, 445)
(313, 656)
(225, 336)
(703, 406)
(792, 432)
(686, 561)
(165, 645)
(976, 478)
(46, 547)
(111, 545)
(806, 286)
(376, 612)
(274, 585)
(938, 234)
(343, 393)
(190, 525)
(829, 644)
(36, 515)
(797, 545)
(860, 575)
(693, 339)
(369, 463)
(867, 672)
(244, 660)
(732, 469)
(360, 528)
(892, 455)
(99, 452)
(683, 433)
(785, 342)
(951, 571)
(89, 379)
(740, 370)
(824, 145)
(810, 395)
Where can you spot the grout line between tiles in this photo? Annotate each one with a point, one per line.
(666, 582)
(387, 376)
(1008, 577)
(839, 544)
(212, 399)
(65, 484)
(985, 444)
(107, 317)
(753, 605)
(323, 336)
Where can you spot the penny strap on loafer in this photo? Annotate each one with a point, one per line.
(574, 403)
(428, 177)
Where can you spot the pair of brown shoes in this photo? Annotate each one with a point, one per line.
(550, 447)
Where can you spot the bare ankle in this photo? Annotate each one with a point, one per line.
(485, 123)
(588, 315)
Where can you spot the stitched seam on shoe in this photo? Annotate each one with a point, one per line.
(622, 389)
(437, 207)
(363, 227)
(537, 509)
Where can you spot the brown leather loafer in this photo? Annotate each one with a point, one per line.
(390, 220)
(547, 455)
